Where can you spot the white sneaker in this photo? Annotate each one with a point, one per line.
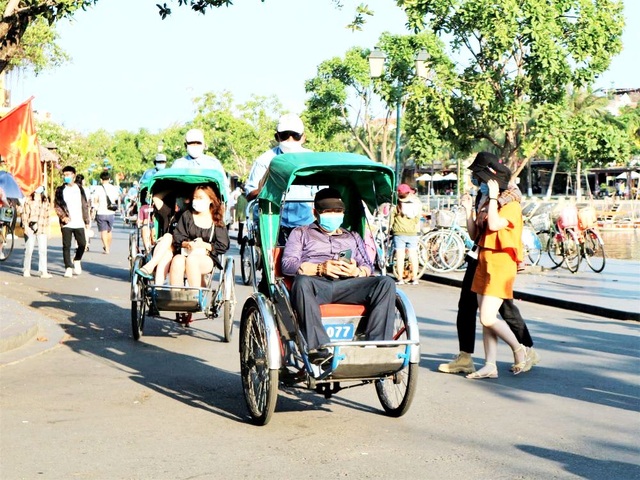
(46, 275)
(77, 268)
(68, 273)
(26, 274)
(2, 257)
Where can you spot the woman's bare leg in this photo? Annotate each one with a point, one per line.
(176, 272)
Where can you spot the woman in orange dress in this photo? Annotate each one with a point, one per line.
(500, 244)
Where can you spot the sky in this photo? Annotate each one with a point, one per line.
(132, 70)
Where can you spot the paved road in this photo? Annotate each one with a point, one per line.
(100, 406)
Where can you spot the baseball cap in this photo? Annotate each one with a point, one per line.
(404, 189)
(194, 135)
(290, 122)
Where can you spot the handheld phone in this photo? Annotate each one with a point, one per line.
(345, 255)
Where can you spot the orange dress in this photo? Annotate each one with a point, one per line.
(499, 255)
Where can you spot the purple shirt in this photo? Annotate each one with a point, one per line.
(311, 244)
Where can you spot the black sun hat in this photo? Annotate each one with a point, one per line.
(495, 171)
(482, 160)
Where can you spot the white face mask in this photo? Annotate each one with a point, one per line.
(160, 166)
(200, 205)
(195, 151)
(290, 147)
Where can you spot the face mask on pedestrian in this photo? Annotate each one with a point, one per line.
(331, 221)
(160, 166)
(200, 205)
(68, 180)
(484, 189)
(195, 150)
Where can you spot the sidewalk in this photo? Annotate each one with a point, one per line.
(614, 293)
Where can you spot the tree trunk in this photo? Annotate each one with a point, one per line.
(553, 176)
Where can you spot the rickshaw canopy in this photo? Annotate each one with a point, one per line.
(374, 182)
(191, 176)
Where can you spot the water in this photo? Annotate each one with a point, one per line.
(623, 244)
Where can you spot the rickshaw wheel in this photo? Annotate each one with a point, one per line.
(138, 303)
(259, 382)
(245, 262)
(227, 316)
(8, 234)
(396, 392)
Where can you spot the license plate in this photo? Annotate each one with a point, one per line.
(340, 331)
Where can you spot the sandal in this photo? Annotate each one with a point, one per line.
(492, 373)
(144, 273)
(519, 367)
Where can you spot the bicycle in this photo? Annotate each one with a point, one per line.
(574, 238)
(446, 246)
(8, 220)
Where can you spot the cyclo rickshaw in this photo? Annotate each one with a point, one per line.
(272, 347)
(210, 300)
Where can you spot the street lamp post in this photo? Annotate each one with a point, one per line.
(376, 65)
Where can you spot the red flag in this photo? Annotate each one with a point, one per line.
(19, 147)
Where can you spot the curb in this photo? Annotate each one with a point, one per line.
(30, 335)
(550, 302)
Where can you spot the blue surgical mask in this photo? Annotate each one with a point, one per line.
(331, 221)
(484, 188)
(67, 179)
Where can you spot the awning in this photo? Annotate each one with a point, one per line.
(624, 176)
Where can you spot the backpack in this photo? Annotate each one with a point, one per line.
(410, 209)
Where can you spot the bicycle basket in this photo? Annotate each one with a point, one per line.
(568, 217)
(444, 218)
(587, 218)
(541, 222)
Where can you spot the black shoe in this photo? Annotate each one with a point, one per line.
(319, 356)
(153, 311)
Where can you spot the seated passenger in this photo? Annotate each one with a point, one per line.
(199, 237)
(163, 250)
(311, 255)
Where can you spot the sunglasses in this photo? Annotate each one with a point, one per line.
(282, 136)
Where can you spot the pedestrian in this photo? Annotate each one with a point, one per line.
(405, 225)
(35, 222)
(4, 202)
(72, 208)
(159, 163)
(106, 197)
(88, 234)
(241, 213)
(468, 301)
(499, 233)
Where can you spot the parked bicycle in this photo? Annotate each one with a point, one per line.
(447, 244)
(575, 237)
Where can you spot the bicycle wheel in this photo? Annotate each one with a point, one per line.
(555, 249)
(245, 262)
(138, 303)
(431, 244)
(423, 253)
(396, 392)
(450, 251)
(531, 244)
(259, 382)
(572, 250)
(594, 250)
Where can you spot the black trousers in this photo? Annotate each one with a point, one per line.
(468, 309)
(67, 235)
(377, 293)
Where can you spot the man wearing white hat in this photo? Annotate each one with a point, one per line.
(290, 137)
(195, 157)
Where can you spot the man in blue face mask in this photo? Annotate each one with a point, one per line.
(330, 265)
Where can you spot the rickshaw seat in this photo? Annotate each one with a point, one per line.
(329, 310)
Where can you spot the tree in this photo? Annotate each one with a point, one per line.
(518, 56)
(25, 23)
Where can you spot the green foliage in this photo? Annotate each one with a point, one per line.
(518, 56)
